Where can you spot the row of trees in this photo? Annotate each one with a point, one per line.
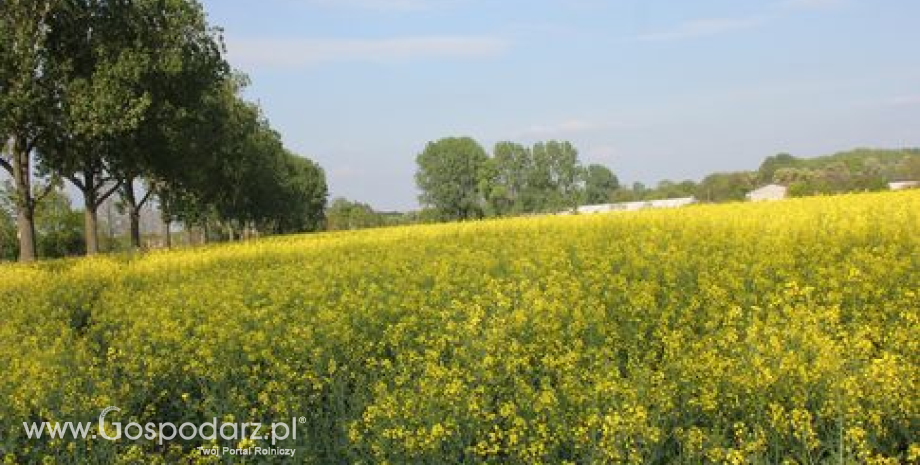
(855, 170)
(134, 98)
(459, 180)
(851, 171)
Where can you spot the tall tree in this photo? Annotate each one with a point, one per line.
(185, 64)
(343, 214)
(510, 165)
(98, 67)
(554, 182)
(600, 183)
(58, 226)
(302, 196)
(721, 187)
(567, 173)
(772, 164)
(449, 174)
(26, 102)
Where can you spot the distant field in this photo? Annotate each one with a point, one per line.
(744, 333)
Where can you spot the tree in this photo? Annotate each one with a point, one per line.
(600, 183)
(302, 196)
(722, 187)
(449, 173)
(58, 227)
(908, 169)
(507, 179)
(772, 164)
(26, 102)
(343, 215)
(185, 64)
(554, 177)
(98, 67)
(9, 248)
(567, 174)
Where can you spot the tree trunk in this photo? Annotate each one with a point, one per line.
(135, 220)
(167, 234)
(134, 213)
(89, 224)
(25, 203)
(90, 208)
(164, 215)
(25, 222)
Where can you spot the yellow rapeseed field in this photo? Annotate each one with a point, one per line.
(784, 332)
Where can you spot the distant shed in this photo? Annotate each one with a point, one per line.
(632, 206)
(901, 185)
(768, 192)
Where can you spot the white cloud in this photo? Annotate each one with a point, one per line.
(296, 52)
(702, 28)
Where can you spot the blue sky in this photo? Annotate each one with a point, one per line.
(654, 89)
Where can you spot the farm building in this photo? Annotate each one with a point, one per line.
(768, 192)
(632, 206)
(901, 185)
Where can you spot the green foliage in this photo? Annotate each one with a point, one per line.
(725, 187)
(59, 228)
(9, 247)
(854, 170)
(301, 196)
(767, 171)
(110, 93)
(459, 180)
(509, 180)
(449, 175)
(554, 178)
(343, 215)
(908, 169)
(600, 184)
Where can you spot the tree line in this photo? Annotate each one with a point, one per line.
(134, 98)
(458, 180)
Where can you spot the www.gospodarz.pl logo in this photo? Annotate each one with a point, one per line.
(242, 433)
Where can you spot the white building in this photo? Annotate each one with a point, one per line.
(901, 185)
(768, 192)
(632, 206)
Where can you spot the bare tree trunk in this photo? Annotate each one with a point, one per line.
(134, 213)
(25, 210)
(25, 222)
(95, 192)
(167, 221)
(90, 222)
(20, 169)
(167, 234)
(135, 220)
